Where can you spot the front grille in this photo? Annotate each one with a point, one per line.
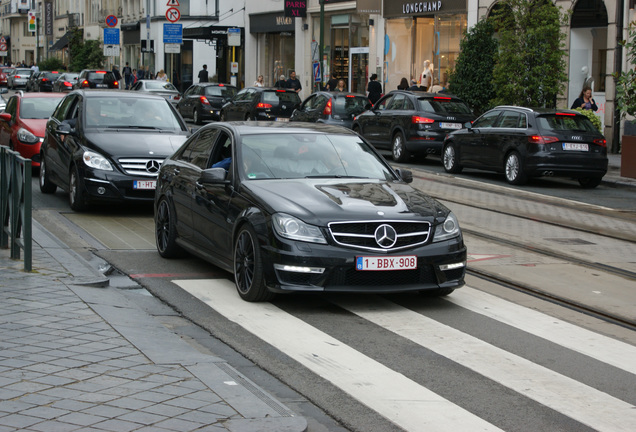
(361, 234)
(141, 167)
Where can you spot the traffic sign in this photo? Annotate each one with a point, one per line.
(111, 50)
(3, 47)
(173, 3)
(234, 37)
(173, 14)
(111, 20)
(3, 40)
(172, 33)
(317, 74)
(111, 36)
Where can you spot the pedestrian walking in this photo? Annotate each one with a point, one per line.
(128, 76)
(374, 88)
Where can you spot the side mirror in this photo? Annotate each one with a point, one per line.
(5, 116)
(468, 125)
(405, 175)
(213, 175)
(64, 129)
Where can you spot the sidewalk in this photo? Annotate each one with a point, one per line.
(613, 176)
(76, 354)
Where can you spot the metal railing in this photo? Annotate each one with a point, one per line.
(15, 205)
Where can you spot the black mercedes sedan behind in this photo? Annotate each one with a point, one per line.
(304, 207)
(259, 103)
(530, 142)
(107, 146)
(412, 122)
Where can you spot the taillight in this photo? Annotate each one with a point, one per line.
(68, 84)
(540, 139)
(44, 80)
(600, 141)
(85, 84)
(442, 97)
(116, 83)
(566, 114)
(204, 100)
(327, 110)
(421, 120)
(281, 91)
(263, 105)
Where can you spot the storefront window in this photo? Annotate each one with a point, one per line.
(278, 58)
(410, 42)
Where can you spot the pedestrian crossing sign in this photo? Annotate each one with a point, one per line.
(173, 3)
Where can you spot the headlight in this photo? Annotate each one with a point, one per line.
(447, 230)
(293, 228)
(27, 137)
(97, 161)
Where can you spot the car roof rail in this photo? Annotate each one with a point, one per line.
(516, 107)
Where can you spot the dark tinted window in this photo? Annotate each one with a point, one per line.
(275, 97)
(350, 105)
(511, 119)
(487, 120)
(565, 122)
(442, 105)
(49, 75)
(62, 109)
(100, 76)
(226, 92)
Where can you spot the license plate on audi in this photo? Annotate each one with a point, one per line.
(144, 184)
(406, 262)
(575, 146)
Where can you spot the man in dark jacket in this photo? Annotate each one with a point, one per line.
(281, 83)
(375, 89)
(294, 83)
(203, 74)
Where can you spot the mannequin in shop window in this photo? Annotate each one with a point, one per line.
(426, 78)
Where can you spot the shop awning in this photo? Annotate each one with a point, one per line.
(61, 42)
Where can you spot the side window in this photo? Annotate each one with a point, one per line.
(12, 105)
(397, 102)
(509, 119)
(523, 121)
(222, 150)
(487, 120)
(408, 105)
(201, 149)
(242, 95)
(382, 105)
(188, 92)
(309, 103)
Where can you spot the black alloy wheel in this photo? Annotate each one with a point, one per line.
(590, 182)
(248, 267)
(166, 231)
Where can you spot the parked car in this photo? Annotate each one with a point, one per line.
(23, 122)
(304, 207)
(260, 103)
(412, 122)
(204, 101)
(336, 108)
(524, 142)
(161, 88)
(41, 81)
(18, 77)
(4, 73)
(107, 146)
(65, 82)
(96, 79)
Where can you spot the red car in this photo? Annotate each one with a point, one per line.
(4, 71)
(23, 122)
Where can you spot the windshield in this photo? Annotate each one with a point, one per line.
(558, 123)
(160, 85)
(38, 108)
(130, 112)
(302, 155)
(226, 92)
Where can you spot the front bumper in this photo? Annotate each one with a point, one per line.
(113, 186)
(297, 266)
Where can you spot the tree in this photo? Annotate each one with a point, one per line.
(472, 77)
(84, 54)
(530, 64)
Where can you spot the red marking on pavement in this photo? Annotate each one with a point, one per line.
(174, 275)
(487, 257)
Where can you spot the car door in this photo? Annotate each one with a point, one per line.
(508, 132)
(210, 204)
(471, 144)
(236, 108)
(390, 118)
(371, 120)
(59, 148)
(306, 111)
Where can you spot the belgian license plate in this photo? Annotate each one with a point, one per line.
(282, 119)
(575, 146)
(101, 85)
(406, 262)
(444, 125)
(144, 184)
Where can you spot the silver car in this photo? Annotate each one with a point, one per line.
(18, 77)
(161, 88)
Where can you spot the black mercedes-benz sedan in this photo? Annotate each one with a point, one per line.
(107, 146)
(304, 207)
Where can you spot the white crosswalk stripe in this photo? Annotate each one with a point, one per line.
(409, 404)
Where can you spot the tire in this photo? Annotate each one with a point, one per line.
(248, 267)
(166, 230)
(75, 192)
(398, 148)
(195, 117)
(450, 160)
(590, 182)
(513, 169)
(46, 186)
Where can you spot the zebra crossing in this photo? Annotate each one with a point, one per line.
(406, 401)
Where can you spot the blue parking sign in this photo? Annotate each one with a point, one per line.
(317, 74)
(111, 36)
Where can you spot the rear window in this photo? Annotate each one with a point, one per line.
(226, 92)
(443, 106)
(23, 72)
(557, 123)
(160, 85)
(350, 106)
(49, 75)
(99, 77)
(275, 97)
